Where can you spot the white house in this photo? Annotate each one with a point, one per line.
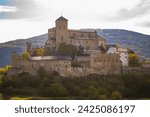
(123, 53)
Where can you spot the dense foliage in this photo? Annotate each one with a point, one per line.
(25, 56)
(52, 86)
(67, 50)
(5, 69)
(133, 60)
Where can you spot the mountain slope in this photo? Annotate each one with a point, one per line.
(21, 43)
(138, 42)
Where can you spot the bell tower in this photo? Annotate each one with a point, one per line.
(62, 35)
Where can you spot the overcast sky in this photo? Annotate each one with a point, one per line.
(26, 18)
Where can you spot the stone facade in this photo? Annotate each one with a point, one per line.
(88, 39)
(122, 52)
(96, 63)
(62, 65)
(105, 63)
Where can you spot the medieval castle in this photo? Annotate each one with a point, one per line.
(95, 61)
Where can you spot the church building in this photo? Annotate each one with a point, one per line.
(89, 40)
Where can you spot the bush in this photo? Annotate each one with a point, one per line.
(1, 96)
(116, 95)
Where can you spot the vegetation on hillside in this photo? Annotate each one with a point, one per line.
(4, 70)
(133, 60)
(53, 86)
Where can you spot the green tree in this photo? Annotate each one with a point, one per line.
(133, 60)
(48, 52)
(25, 56)
(2, 71)
(92, 93)
(116, 95)
(40, 52)
(67, 50)
(41, 72)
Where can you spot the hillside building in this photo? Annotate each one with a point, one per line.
(95, 62)
(60, 33)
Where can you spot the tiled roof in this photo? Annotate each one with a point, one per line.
(61, 18)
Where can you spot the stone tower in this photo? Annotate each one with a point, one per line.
(62, 34)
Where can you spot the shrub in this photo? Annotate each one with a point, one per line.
(116, 95)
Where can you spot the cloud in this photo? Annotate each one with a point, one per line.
(141, 9)
(144, 24)
(7, 9)
(25, 9)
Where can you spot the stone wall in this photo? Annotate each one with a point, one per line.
(136, 70)
(63, 67)
(105, 63)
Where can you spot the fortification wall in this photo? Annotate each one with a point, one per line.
(105, 63)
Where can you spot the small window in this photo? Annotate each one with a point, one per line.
(89, 35)
(60, 27)
(61, 38)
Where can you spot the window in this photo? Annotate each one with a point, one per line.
(60, 27)
(89, 35)
(61, 38)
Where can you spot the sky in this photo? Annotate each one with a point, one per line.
(20, 19)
